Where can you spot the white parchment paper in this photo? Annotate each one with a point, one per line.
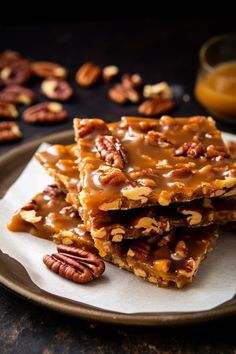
(117, 290)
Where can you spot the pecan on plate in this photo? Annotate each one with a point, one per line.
(17, 94)
(7, 57)
(75, 264)
(16, 73)
(9, 131)
(88, 74)
(109, 73)
(8, 110)
(111, 150)
(46, 69)
(155, 106)
(46, 112)
(56, 89)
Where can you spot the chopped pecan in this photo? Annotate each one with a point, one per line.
(111, 150)
(9, 131)
(46, 69)
(57, 89)
(194, 217)
(16, 73)
(110, 72)
(69, 211)
(121, 94)
(7, 57)
(46, 112)
(30, 216)
(156, 106)
(139, 250)
(114, 177)
(17, 94)
(155, 138)
(181, 251)
(182, 172)
(162, 265)
(162, 89)
(87, 126)
(231, 147)
(215, 151)
(88, 74)
(75, 264)
(52, 191)
(190, 149)
(137, 193)
(8, 110)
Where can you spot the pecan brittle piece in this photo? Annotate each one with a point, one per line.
(46, 112)
(111, 150)
(75, 264)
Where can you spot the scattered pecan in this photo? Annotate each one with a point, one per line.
(57, 89)
(46, 69)
(9, 131)
(111, 150)
(8, 110)
(131, 81)
(88, 74)
(182, 172)
(156, 138)
(17, 94)
(190, 149)
(162, 89)
(215, 151)
(69, 211)
(75, 264)
(110, 72)
(121, 94)
(139, 250)
(155, 106)
(16, 73)
(46, 112)
(7, 57)
(113, 177)
(52, 191)
(85, 127)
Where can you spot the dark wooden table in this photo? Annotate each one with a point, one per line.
(159, 49)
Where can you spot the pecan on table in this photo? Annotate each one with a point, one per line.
(9, 131)
(17, 94)
(131, 81)
(156, 106)
(16, 73)
(109, 73)
(8, 110)
(88, 74)
(121, 94)
(56, 89)
(111, 150)
(46, 69)
(46, 112)
(75, 264)
(7, 57)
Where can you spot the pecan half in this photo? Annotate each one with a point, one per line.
(88, 74)
(9, 131)
(157, 139)
(190, 149)
(162, 89)
(8, 110)
(113, 177)
(85, 127)
(17, 94)
(155, 106)
(7, 57)
(52, 191)
(45, 69)
(131, 81)
(46, 112)
(56, 89)
(121, 94)
(111, 150)
(75, 264)
(16, 73)
(216, 151)
(109, 73)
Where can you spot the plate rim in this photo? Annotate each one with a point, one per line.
(69, 307)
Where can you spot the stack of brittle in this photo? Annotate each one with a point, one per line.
(148, 195)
